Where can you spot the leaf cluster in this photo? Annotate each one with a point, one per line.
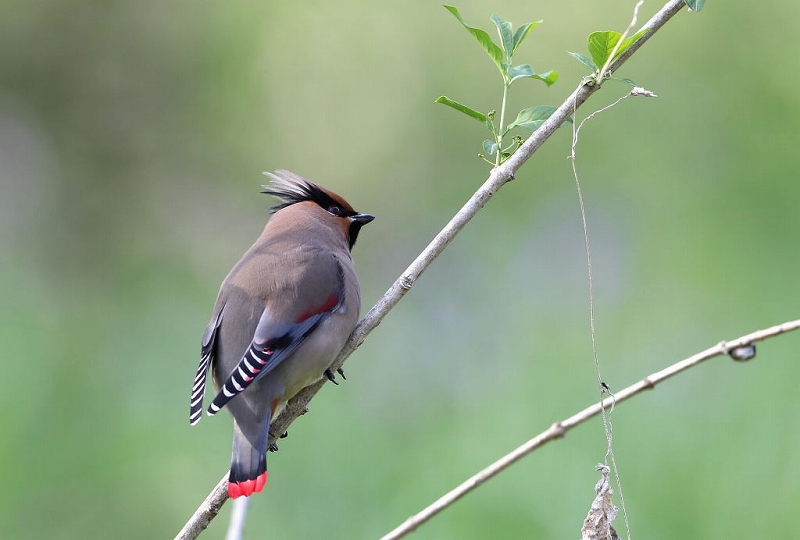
(502, 55)
(603, 47)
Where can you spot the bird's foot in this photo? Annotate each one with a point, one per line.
(331, 377)
(274, 446)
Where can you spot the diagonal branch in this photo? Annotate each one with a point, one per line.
(559, 429)
(498, 178)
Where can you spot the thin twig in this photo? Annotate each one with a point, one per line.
(559, 429)
(498, 177)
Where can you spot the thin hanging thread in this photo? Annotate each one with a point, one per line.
(607, 424)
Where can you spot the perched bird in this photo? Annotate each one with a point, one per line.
(282, 315)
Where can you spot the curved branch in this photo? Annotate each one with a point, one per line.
(498, 178)
(559, 429)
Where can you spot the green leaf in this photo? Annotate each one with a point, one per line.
(489, 147)
(506, 37)
(483, 39)
(490, 121)
(519, 72)
(533, 117)
(524, 70)
(600, 45)
(522, 33)
(548, 77)
(695, 5)
(444, 100)
(586, 61)
(624, 80)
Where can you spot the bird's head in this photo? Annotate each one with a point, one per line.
(309, 201)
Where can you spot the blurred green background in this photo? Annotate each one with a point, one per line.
(132, 138)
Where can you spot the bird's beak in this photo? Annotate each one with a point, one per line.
(362, 219)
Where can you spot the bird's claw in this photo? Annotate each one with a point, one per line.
(331, 377)
(274, 446)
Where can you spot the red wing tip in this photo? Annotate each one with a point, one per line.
(247, 488)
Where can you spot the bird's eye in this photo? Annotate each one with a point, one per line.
(336, 210)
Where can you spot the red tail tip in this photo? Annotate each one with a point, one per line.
(247, 488)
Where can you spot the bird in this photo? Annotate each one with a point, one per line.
(282, 315)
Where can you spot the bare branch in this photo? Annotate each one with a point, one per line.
(559, 429)
(499, 176)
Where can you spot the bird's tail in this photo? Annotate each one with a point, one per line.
(248, 463)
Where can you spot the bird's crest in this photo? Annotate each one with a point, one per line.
(290, 188)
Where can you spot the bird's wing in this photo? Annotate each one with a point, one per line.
(275, 338)
(207, 352)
